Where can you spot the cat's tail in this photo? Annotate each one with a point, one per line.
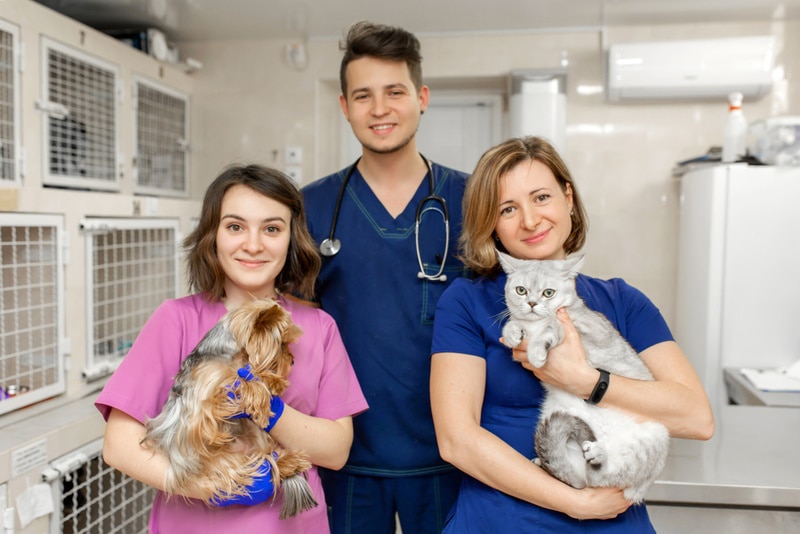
(558, 444)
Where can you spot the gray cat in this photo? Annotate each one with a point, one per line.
(578, 443)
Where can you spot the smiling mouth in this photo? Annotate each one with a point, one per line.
(537, 238)
(382, 127)
(251, 263)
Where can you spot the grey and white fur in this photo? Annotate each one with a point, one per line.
(579, 443)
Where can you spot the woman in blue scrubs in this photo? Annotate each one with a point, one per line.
(521, 199)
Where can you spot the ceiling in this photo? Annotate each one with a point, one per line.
(204, 20)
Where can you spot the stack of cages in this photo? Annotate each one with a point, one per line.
(132, 264)
(31, 266)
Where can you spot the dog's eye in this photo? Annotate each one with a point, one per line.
(521, 291)
(548, 293)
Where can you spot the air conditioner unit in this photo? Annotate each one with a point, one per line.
(696, 69)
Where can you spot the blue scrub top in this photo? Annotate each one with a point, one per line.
(385, 312)
(468, 322)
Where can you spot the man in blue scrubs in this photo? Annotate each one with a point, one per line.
(371, 286)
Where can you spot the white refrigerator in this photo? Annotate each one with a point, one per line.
(738, 300)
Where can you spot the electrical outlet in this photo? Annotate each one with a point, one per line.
(293, 155)
(295, 172)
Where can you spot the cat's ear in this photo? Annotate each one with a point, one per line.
(573, 265)
(507, 262)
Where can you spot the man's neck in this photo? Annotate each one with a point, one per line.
(398, 169)
(393, 177)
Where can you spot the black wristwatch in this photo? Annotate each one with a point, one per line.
(600, 388)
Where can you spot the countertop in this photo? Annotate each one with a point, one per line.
(742, 391)
(753, 460)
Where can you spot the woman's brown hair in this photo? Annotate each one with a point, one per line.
(482, 198)
(204, 271)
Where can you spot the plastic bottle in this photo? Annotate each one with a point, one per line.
(734, 145)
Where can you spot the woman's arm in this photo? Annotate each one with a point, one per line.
(457, 388)
(675, 398)
(326, 442)
(122, 451)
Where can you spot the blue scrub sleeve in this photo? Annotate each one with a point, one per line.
(454, 325)
(645, 325)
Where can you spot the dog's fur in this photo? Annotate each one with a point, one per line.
(211, 453)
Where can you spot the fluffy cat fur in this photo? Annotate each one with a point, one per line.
(211, 453)
(578, 443)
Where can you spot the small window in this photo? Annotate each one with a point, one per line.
(9, 105)
(161, 140)
(131, 268)
(80, 110)
(31, 309)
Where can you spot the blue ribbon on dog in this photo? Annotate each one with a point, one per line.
(276, 404)
(246, 373)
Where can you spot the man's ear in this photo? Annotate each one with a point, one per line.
(345, 109)
(424, 98)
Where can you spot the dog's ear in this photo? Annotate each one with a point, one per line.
(266, 333)
(291, 332)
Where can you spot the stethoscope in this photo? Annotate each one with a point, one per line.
(331, 246)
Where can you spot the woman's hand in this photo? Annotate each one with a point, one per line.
(566, 367)
(599, 503)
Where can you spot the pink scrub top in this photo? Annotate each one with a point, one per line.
(322, 384)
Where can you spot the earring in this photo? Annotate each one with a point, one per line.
(571, 213)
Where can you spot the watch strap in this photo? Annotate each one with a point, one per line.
(600, 387)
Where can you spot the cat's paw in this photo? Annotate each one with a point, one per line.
(512, 335)
(537, 355)
(537, 461)
(593, 453)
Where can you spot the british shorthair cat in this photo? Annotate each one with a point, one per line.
(577, 442)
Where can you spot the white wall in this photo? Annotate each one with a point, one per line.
(250, 105)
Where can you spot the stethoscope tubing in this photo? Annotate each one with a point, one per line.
(330, 246)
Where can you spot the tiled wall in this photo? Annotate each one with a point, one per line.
(250, 105)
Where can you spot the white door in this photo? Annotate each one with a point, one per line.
(455, 130)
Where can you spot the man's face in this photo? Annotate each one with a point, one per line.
(382, 104)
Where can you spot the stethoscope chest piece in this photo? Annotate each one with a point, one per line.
(330, 247)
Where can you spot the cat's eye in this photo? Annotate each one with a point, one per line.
(521, 291)
(548, 293)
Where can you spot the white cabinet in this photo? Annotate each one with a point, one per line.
(738, 301)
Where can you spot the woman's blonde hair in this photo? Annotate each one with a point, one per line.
(482, 198)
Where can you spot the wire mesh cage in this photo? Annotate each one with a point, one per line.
(92, 498)
(131, 268)
(80, 106)
(161, 140)
(31, 309)
(9, 104)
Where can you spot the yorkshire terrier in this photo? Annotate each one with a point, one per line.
(212, 426)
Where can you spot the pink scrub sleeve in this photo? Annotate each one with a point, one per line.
(140, 385)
